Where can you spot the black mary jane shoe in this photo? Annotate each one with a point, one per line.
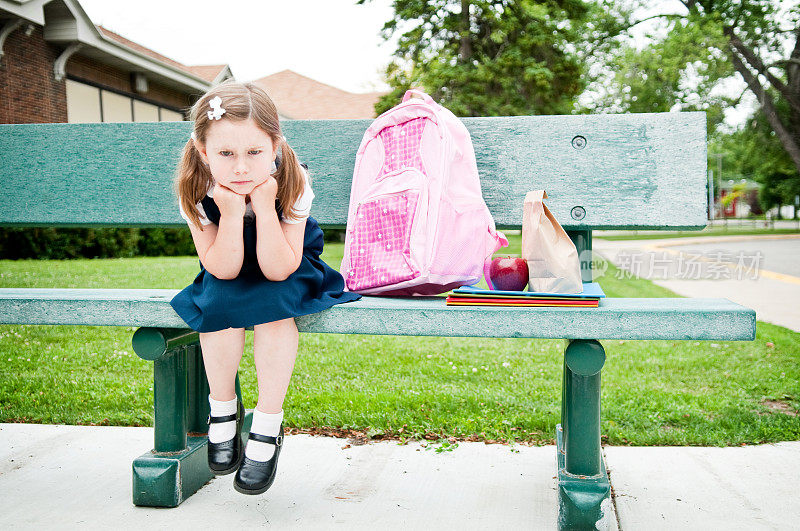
(255, 477)
(225, 457)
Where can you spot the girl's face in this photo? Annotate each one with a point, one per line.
(238, 153)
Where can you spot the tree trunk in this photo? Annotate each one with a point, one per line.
(793, 85)
(793, 66)
(788, 139)
(793, 97)
(465, 51)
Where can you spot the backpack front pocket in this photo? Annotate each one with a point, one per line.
(380, 253)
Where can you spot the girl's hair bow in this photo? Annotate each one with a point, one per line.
(216, 111)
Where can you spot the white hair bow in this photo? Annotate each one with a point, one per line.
(216, 111)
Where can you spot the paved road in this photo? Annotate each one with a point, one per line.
(781, 255)
(720, 267)
(750, 223)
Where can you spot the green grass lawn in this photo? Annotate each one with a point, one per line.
(654, 392)
(709, 231)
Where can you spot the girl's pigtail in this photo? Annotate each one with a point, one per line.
(291, 181)
(193, 179)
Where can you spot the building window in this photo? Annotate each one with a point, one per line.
(144, 112)
(170, 116)
(86, 103)
(83, 103)
(116, 108)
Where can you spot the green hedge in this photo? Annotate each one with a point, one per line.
(59, 244)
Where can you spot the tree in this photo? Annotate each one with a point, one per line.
(680, 71)
(707, 42)
(755, 151)
(490, 58)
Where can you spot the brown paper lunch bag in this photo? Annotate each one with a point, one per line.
(553, 264)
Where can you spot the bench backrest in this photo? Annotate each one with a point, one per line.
(600, 171)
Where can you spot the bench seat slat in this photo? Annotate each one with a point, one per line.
(615, 318)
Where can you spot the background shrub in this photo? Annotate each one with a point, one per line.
(57, 244)
(48, 243)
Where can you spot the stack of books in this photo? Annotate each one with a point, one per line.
(470, 296)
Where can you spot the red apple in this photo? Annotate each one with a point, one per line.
(509, 273)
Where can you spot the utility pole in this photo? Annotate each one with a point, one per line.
(796, 208)
(711, 198)
(719, 186)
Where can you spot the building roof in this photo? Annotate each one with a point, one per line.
(302, 98)
(67, 25)
(210, 73)
(139, 48)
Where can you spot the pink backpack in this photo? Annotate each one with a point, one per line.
(417, 223)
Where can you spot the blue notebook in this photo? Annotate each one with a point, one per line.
(591, 290)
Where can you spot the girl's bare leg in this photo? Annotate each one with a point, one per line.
(275, 346)
(222, 352)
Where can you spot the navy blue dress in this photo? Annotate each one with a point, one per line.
(210, 304)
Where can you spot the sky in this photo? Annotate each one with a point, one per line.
(333, 41)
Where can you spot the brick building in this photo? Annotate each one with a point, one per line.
(57, 66)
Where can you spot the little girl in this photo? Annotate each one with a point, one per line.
(260, 266)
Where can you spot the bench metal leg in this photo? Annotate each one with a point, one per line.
(199, 408)
(178, 464)
(583, 487)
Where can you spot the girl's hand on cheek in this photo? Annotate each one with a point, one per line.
(263, 196)
(229, 202)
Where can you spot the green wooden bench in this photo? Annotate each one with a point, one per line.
(637, 171)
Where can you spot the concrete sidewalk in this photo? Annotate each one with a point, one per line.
(80, 476)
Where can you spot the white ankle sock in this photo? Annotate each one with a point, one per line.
(224, 431)
(263, 424)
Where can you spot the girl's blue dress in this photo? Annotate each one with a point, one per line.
(210, 304)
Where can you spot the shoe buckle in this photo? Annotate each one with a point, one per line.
(279, 440)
